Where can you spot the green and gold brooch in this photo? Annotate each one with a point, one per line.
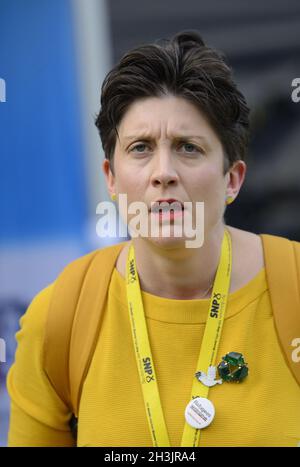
(233, 368)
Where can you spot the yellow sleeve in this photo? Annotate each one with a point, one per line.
(38, 416)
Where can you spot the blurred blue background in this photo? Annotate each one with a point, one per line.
(54, 55)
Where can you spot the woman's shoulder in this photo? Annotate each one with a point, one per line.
(34, 318)
(73, 274)
(248, 251)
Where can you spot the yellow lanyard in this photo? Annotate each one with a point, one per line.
(208, 351)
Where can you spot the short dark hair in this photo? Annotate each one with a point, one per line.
(185, 67)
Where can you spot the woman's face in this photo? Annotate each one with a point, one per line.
(167, 149)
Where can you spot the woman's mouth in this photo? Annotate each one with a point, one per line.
(171, 215)
(167, 211)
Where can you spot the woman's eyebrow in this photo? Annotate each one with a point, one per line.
(140, 136)
(202, 138)
(175, 136)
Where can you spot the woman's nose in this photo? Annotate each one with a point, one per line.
(164, 172)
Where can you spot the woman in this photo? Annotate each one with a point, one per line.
(180, 326)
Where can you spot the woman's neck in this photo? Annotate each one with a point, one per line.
(178, 273)
(184, 277)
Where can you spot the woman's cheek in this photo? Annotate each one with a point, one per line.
(214, 206)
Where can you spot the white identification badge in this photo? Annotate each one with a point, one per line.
(199, 412)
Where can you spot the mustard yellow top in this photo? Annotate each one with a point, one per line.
(263, 410)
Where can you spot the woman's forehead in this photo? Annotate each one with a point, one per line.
(174, 115)
(165, 117)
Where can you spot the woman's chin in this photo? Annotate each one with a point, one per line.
(166, 239)
(166, 233)
(168, 244)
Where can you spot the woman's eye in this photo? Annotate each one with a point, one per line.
(139, 148)
(189, 147)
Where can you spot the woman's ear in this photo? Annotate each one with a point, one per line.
(236, 176)
(109, 176)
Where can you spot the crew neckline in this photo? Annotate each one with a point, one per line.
(189, 311)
